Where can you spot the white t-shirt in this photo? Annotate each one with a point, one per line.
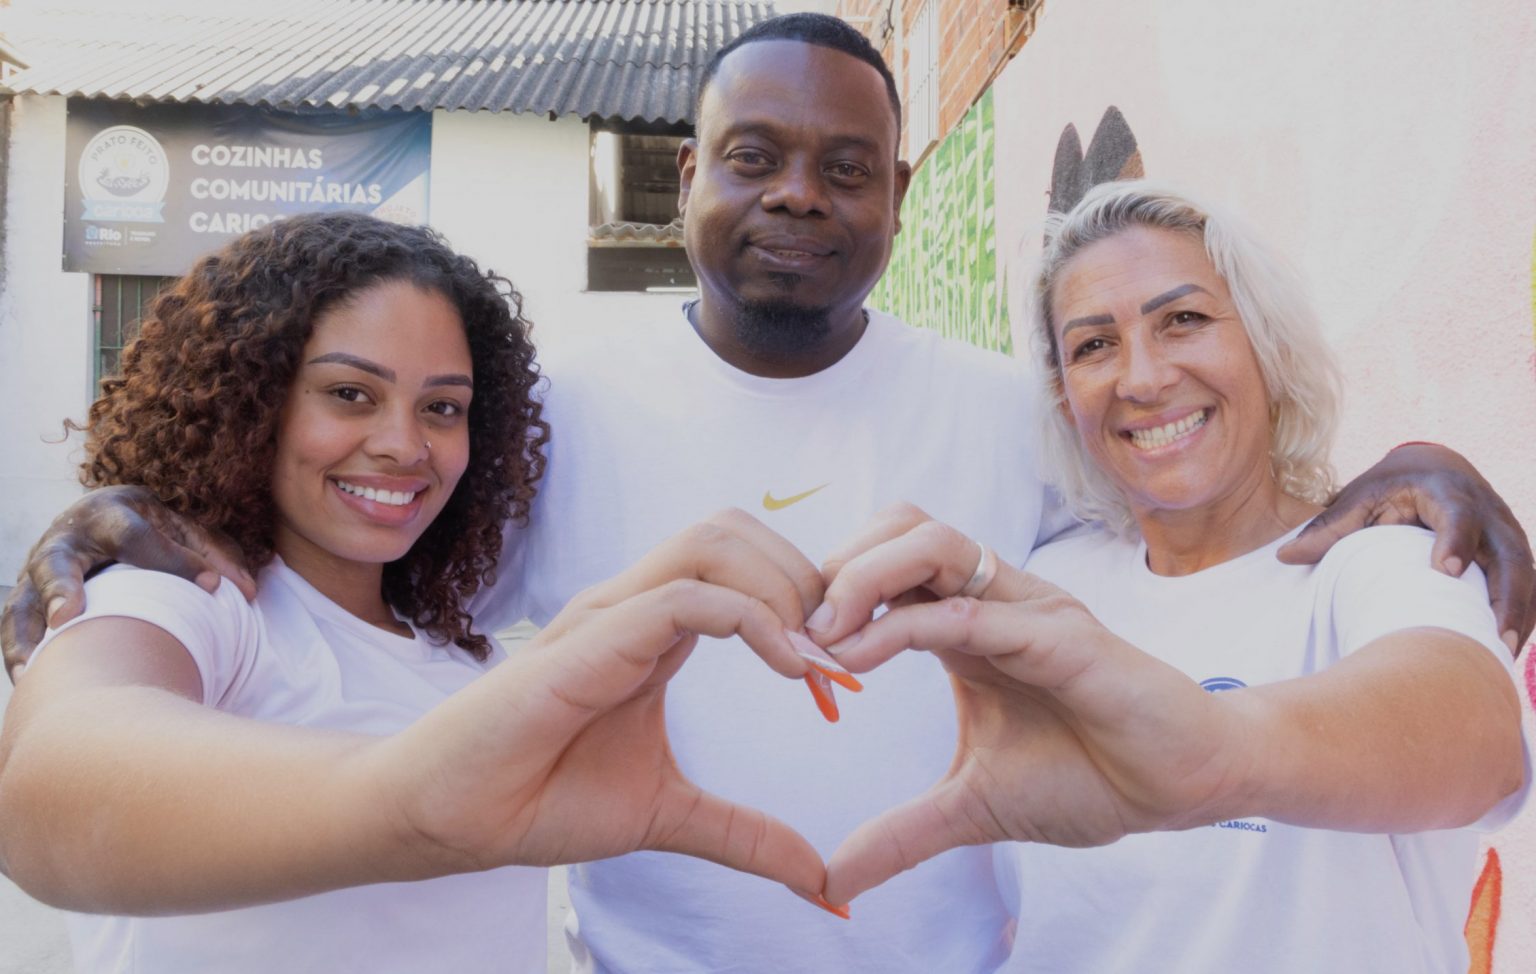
(657, 433)
(1254, 895)
(295, 657)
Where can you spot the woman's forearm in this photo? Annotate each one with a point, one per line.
(133, 800)
(1419, 730)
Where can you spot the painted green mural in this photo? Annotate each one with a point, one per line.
(943, 273)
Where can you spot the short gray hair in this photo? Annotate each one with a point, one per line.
(1300, 374)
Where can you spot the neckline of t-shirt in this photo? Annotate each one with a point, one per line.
(845, 370)
(322, 605)
(1215, 572)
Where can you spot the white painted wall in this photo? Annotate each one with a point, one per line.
(45, 334)
(509, 190)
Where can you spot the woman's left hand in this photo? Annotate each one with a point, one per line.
(560, 755)
(1067, 734)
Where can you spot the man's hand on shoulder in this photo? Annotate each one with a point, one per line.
(1434, 486)
(111, 524)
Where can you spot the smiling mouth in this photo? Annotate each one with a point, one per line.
(791, 254)
(391, 498)
(1161, 436)
(790, 250)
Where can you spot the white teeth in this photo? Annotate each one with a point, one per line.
(393, 498)
(1151, 439)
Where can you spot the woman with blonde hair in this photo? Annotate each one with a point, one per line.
(1210, 760)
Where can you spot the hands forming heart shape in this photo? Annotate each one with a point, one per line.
(1066, 734)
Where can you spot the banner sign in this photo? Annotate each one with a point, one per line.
(149, 189)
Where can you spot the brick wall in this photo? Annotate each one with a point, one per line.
(976, 37)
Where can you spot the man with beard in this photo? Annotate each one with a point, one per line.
(779, 392)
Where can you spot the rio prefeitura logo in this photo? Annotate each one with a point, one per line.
(123, 177)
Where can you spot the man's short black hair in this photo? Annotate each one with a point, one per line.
(822, 30)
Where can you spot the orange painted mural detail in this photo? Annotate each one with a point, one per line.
(1483, 919)
(1530, 672)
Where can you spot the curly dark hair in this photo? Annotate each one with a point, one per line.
(194, 415)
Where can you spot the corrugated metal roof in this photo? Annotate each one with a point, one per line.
(632, 59)
(661, 234)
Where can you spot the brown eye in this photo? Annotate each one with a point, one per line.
(750, 158)
(349, 394)
(1088, 348)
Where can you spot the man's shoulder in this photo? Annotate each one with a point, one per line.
(980, 368)
(900, 330)
(608, 358)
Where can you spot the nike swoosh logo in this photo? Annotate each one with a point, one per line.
(771, 503)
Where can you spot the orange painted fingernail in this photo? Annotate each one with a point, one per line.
(841, 911)
(839, 675)
(816, 899)
(821, 692)
(817, 657)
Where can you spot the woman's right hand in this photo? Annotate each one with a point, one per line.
(110, 524)
(560, 754)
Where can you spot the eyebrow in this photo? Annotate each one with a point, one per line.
(1150, 305)
(770, 129)
(388, 375)
(1087, 320)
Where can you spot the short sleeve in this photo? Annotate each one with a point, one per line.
(1382, 582)
(218, 631)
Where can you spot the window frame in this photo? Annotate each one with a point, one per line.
(114, 287)
(626, 256)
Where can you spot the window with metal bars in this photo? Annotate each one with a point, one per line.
(119, 302)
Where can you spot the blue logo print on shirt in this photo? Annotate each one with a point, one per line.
(1217, 683)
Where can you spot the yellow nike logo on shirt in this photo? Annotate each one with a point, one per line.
(771, 503)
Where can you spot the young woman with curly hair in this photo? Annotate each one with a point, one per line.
(352, 403)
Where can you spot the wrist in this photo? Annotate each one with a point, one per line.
(1251, 763)
(401, 813)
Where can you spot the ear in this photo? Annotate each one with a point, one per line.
(687, 160)
(1065, 408)
(903, 180)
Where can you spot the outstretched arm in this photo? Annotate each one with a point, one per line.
(1072, 736)
(127, 524)
(1423, 483)
(121, 793)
